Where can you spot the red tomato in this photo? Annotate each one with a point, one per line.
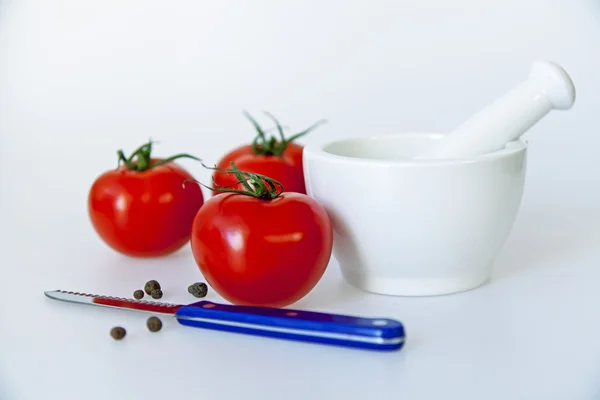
(142, 209)
(262, 252)
(277, 158)
(286, 168)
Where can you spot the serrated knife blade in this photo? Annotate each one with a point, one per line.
(114, 302)
(306, 326)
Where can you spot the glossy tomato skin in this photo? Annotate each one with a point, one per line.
(286, 169)
(262, 252)
(144, 214)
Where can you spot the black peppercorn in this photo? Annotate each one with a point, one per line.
(198, 289)
(156, 294)
(154, 324)
(118, 333)
(150, 286)
(138, 294)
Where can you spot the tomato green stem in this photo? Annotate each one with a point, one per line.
(273, 146)
(255, 185)
(143, 158)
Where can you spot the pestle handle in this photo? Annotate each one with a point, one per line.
(547, 87)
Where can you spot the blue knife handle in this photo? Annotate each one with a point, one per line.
(306, 326)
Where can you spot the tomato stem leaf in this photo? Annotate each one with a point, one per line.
(274, 146)
(255, 185)
(141, 159)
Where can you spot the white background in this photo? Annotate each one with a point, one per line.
(81, 79)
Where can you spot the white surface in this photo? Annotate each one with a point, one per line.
(510, 116)
(78, 80)
(433, 227)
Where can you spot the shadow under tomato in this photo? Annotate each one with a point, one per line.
(183, 252)
(331, 290)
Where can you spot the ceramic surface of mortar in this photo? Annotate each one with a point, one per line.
(405, 226)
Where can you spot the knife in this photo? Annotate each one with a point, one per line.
(306, 326)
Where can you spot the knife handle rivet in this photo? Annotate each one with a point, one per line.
(208, 306)
(291, 313)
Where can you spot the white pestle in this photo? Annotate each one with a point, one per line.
(506, 119)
